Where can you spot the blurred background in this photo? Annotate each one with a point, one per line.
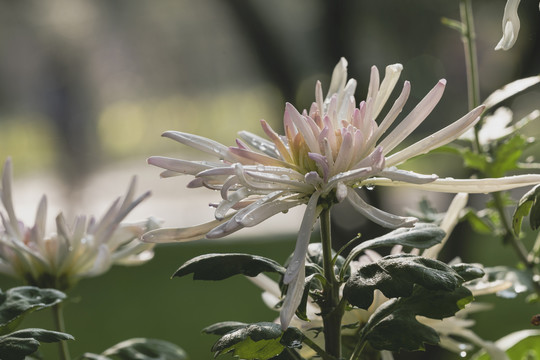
(87, 88)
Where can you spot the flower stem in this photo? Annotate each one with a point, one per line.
(468, 37)
(58, 315)
(332, 312)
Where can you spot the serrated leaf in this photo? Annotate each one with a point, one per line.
(256, 341)
(525, 206)
(510, 90)
(479, 224)
(223, 266)
(18, 344)
(474, 160)
(519, 345)
(18, 302)
(394, 325)
(396, 275)
(507, 155)
(145, 349)
(421, 236)
(224, 327)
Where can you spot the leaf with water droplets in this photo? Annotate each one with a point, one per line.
(223, 266)
(18, 302)
(260, 341)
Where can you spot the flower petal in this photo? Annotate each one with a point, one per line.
(376, 215)
(191, 233)
(471, 186)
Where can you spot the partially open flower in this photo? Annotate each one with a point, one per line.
(325, 154)
(510, 25)
(88, 248)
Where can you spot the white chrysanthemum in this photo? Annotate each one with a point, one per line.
(324, 155)
(87, 249)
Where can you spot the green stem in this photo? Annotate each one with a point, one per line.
(510, 237)
(468, 37)
(323, 355)
(58, 315)
(330, 309)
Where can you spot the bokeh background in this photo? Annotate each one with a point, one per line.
(87, 87)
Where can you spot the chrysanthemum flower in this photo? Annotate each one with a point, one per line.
(323, 157)
(510, 25)
(88, 248)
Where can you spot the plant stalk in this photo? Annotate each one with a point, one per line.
(58, 316)
(331, 311)
(468, 37)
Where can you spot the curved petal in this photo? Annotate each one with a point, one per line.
(471, 186)
(376, 215)
(441, 137)
(182, 234)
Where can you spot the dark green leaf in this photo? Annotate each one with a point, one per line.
(18, 302)
(145, 349)
(396, 275)
(223, 266)
(394, 325)
(468, 272)
(224, 327)
(528, 204)
(260, 341)
(18, 344)
(421, 236)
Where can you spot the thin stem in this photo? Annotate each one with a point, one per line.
(58, 315)
(468, 37)
(358, 350)
(510, 237)
(318, 349)
(330, 309)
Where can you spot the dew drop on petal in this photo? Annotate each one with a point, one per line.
(370, 186)
(260, 168)
(463, 354)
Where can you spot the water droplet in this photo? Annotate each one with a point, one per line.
(260, 168)
(463, 354)
(370, 186)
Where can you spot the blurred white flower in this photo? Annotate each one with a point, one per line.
(510, 25)
(324, 155)
(88, 248)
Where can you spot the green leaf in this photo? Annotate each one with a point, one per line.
(520, 345)
(260, 341)
(421, 236)
(18, 344)
(474, 160)
(507, 155)
(18, 302)
(396, 275)
(223, 266)
(224, 327)
(394, 325)
(468, 272)
(481, 225)
(528, 204)
(145, 349)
